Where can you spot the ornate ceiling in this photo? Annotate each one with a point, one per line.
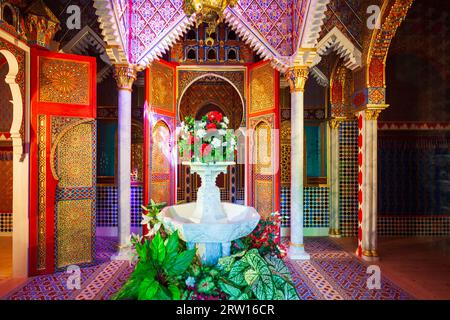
(141, 30)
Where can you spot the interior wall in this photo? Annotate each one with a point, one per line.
(414, 136)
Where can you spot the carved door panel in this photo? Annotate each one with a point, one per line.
(63, 161)
(263, 123)
(160, 156)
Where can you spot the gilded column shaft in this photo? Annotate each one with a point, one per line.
(334, 177)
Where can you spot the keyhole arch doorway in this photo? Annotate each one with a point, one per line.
(212, 92)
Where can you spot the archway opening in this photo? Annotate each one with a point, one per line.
(6, 171)
(206, 94)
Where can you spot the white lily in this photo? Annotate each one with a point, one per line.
(145, 219)
(154, 230)
(222, 132)
(201, 133)
(216, 143)
(225, 119)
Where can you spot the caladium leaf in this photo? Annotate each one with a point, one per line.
(263, 287)
(237, 273)
(206, 285)
(229, 289)
(277, 266)
(286, 288)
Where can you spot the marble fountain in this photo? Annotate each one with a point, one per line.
(209, 224)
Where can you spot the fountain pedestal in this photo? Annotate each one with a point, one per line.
(208, 224)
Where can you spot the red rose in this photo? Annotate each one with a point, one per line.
(205, 149)
(211, 126)
(214, 116)
(218, 116)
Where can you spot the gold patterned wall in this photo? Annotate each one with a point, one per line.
(285, 156)
(74, 240)
(42, 190)
(75, 157)
(75, 205)
(160, 185)
(162, 88)
(263, 149)
(262, 86)
(263, 197)
(62, 81)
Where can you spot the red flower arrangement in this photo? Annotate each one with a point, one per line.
(208, 140)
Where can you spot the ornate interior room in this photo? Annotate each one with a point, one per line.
(335, 117)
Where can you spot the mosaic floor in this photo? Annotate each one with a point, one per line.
(331, 274)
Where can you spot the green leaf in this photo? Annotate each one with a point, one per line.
(157, 249)
(243, 296)
(277, 266)
(147, 289)
(286, 288)
(251, 276)
(182, 262)
(162, 294)
(225, 263)
(263, 286)
(172, 244)
(229, 289)
(206, 285)
(176, 294)
(237, 273)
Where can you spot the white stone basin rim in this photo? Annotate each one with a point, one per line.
(239, 221)
(208, 207)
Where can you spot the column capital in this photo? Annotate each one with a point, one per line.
(297, 76)
(125, 76)
(334, 123)
(372, 112)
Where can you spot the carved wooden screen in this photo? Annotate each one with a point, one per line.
(263, 185)
(160, 155)
(63, 161)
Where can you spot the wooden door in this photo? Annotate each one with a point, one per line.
(63, 161)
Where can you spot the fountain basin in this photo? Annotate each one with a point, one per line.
(212, 239)
(239, 221)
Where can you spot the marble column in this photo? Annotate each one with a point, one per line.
(368, 221)
(334, 177)
(297, 77)
(125, 75)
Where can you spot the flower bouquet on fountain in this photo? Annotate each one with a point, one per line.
(208, 140)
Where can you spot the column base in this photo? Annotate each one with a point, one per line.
(370, 255)
(124, 254)
(334, 233)
(297, 252)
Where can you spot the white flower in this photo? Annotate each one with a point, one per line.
(202, 124)
(216, 143)
(222, 132)
(232, 142)
(154, 230)
(225, 119)
(201, 133)
(145, 219)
